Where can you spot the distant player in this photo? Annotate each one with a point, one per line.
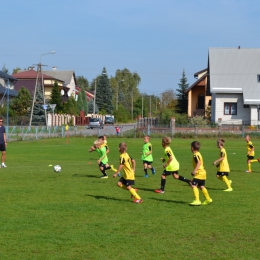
(147, 156)
(199, 175)
(222, 164)
(250, 153)
(171, 165)
(103, 159)
(128, 165)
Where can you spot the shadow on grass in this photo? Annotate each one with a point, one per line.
(145, 189)
(209, 188)
(171, 201)
(85, 176)
(98, 197)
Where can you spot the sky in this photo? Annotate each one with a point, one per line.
(156, 39)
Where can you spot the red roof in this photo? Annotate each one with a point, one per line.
(30, 74)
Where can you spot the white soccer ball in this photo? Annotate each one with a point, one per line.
(57, 168)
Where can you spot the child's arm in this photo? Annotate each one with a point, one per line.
(218, 160)
(196, 168)
(118, 170)
(134, 164)
(92, 148)
(168, 162)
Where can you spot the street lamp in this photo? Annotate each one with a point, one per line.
(51, 52)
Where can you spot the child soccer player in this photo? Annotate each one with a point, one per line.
(128, 165)
(222, 164)
(250, 153)
(199, 174)
(171, 165)
(147, 156)
(103, 159)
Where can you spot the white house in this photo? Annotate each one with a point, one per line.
(234, 80)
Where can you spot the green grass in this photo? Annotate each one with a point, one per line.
(76, 215)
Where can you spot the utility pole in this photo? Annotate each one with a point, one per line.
(94, 105)
(142, 106)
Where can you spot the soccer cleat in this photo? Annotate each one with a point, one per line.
(258, 159)
(207, 202)
(112, 168)
(138, 201)
(135, 191)
(153, 171)
(104, 177)
(159, 191)
(229, 189)
(3, 165)
(146, 175)
(195, 203)
(248, 171)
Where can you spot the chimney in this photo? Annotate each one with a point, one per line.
(54, 68)
(31, 68)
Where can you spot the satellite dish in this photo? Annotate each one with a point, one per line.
(68, 94)
(62, 92)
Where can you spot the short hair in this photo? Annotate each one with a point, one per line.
(97, 143)
(101, 137)
(166, 140)
(221, 142)
(122, 147)
(195, 145)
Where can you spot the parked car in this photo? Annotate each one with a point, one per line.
(95, 123)
(109, 120)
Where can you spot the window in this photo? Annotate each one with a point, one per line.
(230, 108)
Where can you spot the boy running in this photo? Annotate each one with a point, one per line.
(250, 153)
(128, 165)
(147, 156)
(222, 164)
(199, 174)
(171, 165)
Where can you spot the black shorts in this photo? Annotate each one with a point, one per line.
(250, 157)
(102, 165)
(197, 182)
(222, 173)
(146, 162)
(167, 173)
(127, 182)
(2, 147)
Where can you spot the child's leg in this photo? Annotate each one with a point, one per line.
(196, 193)
(145, 170)
(205, 193)
(133, 192)
(180, 178)
(163, 182)
(225, 179)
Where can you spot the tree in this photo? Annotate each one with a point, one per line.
(182, 96)
(79, 102)
(104, 93)
(91, 107)
(82, 82)
(56, 98)
(84, 101)
(70, 107)
(16, 70)
(4, 69)
(21, 103)
(38, 117)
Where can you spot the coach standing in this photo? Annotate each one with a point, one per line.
(3, 142)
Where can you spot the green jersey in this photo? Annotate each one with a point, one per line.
(174, 164)
(101, 152)
(147, 147)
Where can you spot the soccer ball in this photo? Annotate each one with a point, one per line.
(57, 168)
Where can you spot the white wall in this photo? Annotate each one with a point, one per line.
(243, 114)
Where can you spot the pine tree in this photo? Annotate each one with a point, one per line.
(56, 98)
(84, 101)
(91, 107)
(70, 106)
(21, 103)
(38, 117)
(79, 102)
(182, 96)
(104, 94)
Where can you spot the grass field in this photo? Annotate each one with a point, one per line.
(76, 215)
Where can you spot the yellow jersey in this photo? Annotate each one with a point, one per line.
(201, 172)
(223, 165)
(174, 164)
(249, 147)
(126, 161)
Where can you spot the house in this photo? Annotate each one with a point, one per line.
(5, 81)
(89, 93)
(199, 97)
(67, 76)
(28, 78)
(234, 83)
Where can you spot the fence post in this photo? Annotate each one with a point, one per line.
(148, 130)
(243, 131)
(172, 125)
